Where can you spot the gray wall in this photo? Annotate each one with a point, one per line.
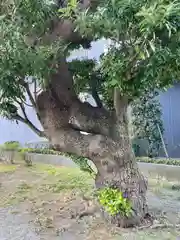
(170, 101)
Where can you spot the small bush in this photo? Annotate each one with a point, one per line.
(11, 146)
(114, 202)
(169, 161)
(8, 150)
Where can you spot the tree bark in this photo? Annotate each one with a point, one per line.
(119, 170)
(108, 145)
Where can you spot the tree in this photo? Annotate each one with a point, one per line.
(36, 39)
(146, 120)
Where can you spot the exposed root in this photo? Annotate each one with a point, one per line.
(89, 212)
(165, 225)
(90, 208)
(155, 225)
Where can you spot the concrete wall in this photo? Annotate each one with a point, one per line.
(170, 101)
(169, 172)
(52, 159)
(149, 169)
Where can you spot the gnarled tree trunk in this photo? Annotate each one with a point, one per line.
(108, 145)
(118, 169)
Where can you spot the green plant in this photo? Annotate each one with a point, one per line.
(11, 146)
(169, 161)
(147, 115)
(70, 10)
(114, 202)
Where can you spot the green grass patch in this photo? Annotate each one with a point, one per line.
(20, 194)
(24, 187)
(4, 168)
(63, 178)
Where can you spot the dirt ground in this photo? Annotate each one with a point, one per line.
(43, 202)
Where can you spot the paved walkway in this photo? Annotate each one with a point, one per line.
(16, 226)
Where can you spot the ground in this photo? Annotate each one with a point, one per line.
(43, 202)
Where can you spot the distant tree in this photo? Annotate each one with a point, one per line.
(147, 121)
(36, 39)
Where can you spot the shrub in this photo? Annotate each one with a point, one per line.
(9, 149)
(114, 202)
(159, 161)
(11, 146)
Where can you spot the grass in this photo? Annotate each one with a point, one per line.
(54, 196)
(4, 168)
(47, 178)
(64, 178)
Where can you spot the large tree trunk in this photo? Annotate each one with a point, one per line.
(119, 170)
(108, 145)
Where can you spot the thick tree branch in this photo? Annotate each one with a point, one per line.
(65, 28)
(96, 97)
(72, 141)
(26, 120)
(91, 119)
(93, 84)
(31, 98)
(71, 111)
(93, 147)
(122, 123)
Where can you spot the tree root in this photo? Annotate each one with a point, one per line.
(159, 225)
(90, 208)
(89, 212)
(165, 225)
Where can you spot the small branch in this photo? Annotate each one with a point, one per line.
(28, 91)
(27, 121)
(35, 89)
(31, 98)
(23, 111)
(97, 99)
(21, 100)
(25, 103)
(30, 125)
(30, 95)
(94, 120)
(95, 95)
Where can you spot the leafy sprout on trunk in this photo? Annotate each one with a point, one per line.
(114, 202)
